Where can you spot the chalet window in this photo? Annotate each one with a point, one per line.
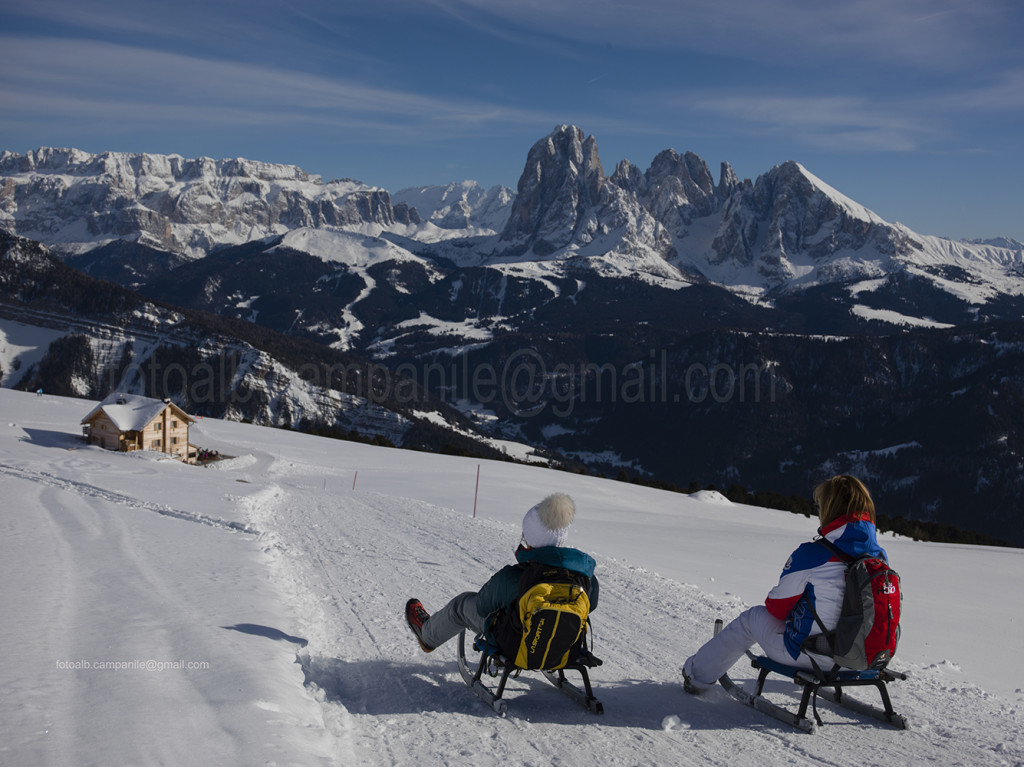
(156, 444)
(174, 440)
(174, 424)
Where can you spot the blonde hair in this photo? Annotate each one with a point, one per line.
(843, 496)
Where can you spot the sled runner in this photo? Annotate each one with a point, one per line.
(496, 665)
(814, 683)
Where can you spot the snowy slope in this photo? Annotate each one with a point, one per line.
(353, 249)
(22, 346)
(265, 595)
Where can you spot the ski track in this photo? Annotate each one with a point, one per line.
(338, 556)
(86, 490)
(104, 579)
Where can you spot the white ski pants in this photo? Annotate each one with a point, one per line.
(754, 626)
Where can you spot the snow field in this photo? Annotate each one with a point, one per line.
(289, 585)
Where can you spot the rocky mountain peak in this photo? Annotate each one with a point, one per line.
(688, 170)
(728, 181)
(562, 179)
(628, 176)
(75, 201)
(679, 188)
(790, 215)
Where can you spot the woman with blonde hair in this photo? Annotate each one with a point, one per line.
(812, 580)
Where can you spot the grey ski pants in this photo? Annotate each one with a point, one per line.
(447, 622)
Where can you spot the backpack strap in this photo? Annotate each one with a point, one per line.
(811, 643)
(844, 557)
(825, 633)
(838, 552)
(822, 644)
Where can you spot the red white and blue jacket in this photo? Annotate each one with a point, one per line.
(812, 571)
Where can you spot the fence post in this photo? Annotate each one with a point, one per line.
(476, 494)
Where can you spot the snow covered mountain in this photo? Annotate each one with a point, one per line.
(602, 316)
(466, 206)
(69, 334)
(784, 233)
(74, 201)
(781, 235)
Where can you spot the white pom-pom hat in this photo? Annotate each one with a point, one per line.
(547, 523)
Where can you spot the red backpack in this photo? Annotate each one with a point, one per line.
(869, 624)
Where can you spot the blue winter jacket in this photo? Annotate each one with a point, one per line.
(503, 587)
(815, 579)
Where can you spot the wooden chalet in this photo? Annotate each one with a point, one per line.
(127, 422)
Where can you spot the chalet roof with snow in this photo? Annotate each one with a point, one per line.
(132, 412)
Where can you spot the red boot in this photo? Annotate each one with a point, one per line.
(416, 616)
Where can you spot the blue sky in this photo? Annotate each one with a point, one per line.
(912, 107)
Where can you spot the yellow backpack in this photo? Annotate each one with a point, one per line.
(547, 626)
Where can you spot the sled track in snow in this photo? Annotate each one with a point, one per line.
(92, 491)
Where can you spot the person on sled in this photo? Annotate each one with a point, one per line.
(812, 574)
(545, 528)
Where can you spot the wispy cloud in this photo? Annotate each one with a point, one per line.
(932, 35)
(871, 122)
(152, 20)
(834, 122)
(520, 31)
(1000, 91)
(86, 80)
